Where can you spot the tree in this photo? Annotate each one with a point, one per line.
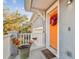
(13, 21)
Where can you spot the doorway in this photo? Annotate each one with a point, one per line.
(52, 28)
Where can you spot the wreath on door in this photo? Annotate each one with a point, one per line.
(53, 20)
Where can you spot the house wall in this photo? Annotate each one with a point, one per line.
(66, 30)
(38, 22)
(40, 42)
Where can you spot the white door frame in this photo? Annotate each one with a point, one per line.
(56, 4)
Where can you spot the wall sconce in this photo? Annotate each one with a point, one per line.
(69, 2)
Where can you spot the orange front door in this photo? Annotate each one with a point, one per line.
(53, 28)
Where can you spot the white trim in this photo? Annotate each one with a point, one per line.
(58, 32)
(47, 31)
(52, 7)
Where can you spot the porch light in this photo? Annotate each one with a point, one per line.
(69, 2)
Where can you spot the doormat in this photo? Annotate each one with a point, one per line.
(48, 54)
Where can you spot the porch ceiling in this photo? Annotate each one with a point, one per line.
(38, 4)
(41, 4)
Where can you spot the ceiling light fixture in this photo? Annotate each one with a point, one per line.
(69, 2)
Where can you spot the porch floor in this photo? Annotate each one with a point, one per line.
(36, 54)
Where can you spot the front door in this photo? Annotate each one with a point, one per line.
(53, 28)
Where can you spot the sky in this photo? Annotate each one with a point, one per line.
(13, 5)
